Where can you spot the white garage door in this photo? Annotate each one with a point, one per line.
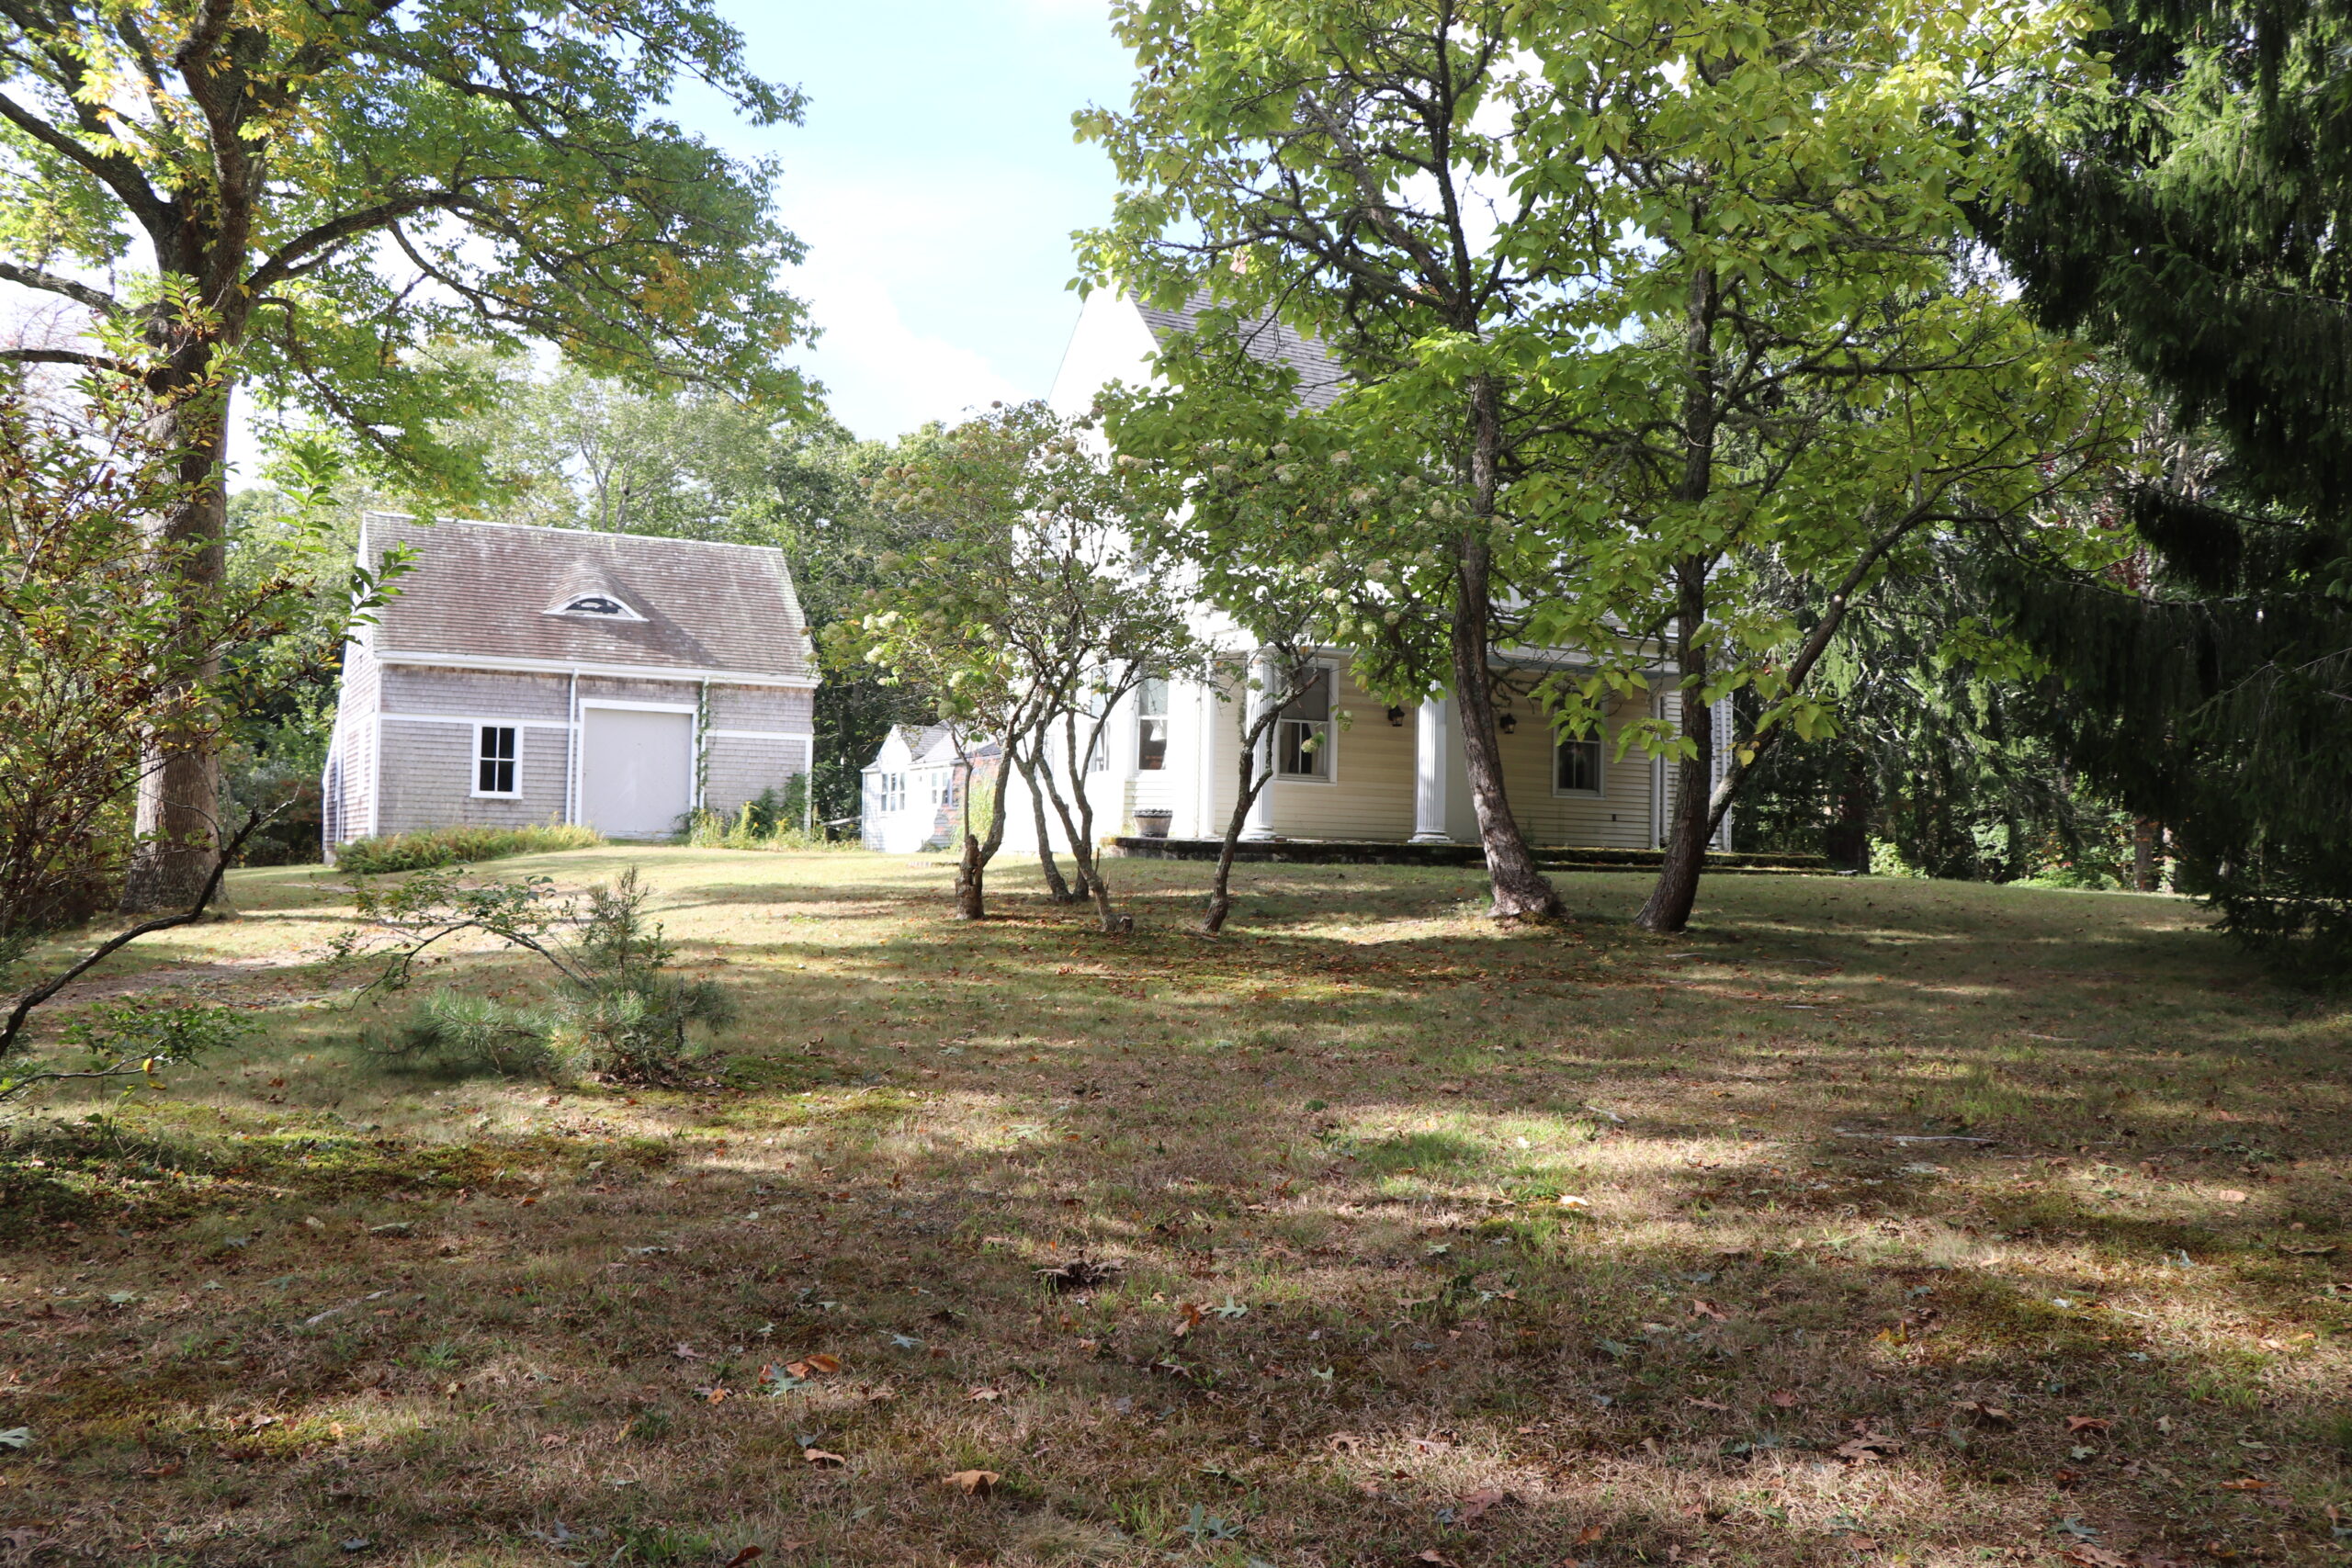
(637, 771)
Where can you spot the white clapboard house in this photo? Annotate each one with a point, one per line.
(915, 788)
(1346, 765)
(525, 675)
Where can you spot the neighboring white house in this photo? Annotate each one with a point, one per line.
(1346, 765)
(915, 785)
(525, 675)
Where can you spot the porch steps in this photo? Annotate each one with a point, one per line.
(1375, 852)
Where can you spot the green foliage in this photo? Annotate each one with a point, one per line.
(1726, 321)
(459, 846)
(769, 820)
(1026, 615)
(2191, 213)
(135, 1038)
(613, 1011)
(516, 165)
(103, 643)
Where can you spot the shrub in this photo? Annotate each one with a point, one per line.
(454, 846)
(614, 1013)
(769, 820)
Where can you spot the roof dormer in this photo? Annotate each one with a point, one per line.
(595, 606)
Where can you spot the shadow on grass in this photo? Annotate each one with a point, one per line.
(1508, 1247)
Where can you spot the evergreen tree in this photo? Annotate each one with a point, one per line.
(2191, 214)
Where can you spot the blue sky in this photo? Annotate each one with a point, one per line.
(936, 185)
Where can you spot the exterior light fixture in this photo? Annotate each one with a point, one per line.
(1507, 723)
(1396, 718)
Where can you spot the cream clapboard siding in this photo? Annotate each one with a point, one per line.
(1370, 792)
(1618, 819)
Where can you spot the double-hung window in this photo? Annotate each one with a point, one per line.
(1302, 734)
(1151, 726)
(1575, 767)
(496, 760)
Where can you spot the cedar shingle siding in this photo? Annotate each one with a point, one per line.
(710, 633)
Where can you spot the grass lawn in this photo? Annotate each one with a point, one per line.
(1405, 1240)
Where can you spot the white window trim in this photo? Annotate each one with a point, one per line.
(628, 611)
(1330, 738)
(1601, 772)
(479, 793)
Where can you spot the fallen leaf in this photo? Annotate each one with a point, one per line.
(1709, 1309)
(161, 1470)
(1868, 1446)
(821, 1457)
(2163, 1425)
(1483, 1500)
(1862, 1542)
(2088, 1423)
(986, 1395)
(1785, 1398)
(822, 1363)
(1983, 1412)
(1188, 1317)
(1590, 1533)
(2091, 1556)
(1569, 1201)
(1706, 1404)
(2246, 1484)
(2230, 1195)
(1343, 1442)
(1432, 1445)
(686, 1352)
(1433, 1555)
(749, 1553)
(974, 1483)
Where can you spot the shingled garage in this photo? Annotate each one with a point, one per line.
(526, 675)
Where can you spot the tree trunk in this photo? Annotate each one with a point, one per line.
(1669, 908)
(1847, 840)
(1079, 827)
(1056, 889)
(971, 867)
(177, 818)
(1246, 795)
(1521, 890)
(2147, 864)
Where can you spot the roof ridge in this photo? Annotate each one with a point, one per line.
(566, 532)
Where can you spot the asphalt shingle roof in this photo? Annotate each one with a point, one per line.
(485, 590)
(1268, 341)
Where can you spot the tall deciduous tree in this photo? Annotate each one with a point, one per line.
(302, 196)
(1345, 165)
(2192, 213)
(1780, 362)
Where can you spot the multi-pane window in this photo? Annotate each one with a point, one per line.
(494, 760)
(1302, 734)
(1151, 726)
(1575, 767)
(894, 792)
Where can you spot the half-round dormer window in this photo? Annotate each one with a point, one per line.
(601, 606)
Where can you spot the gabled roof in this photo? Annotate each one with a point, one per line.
(493, 590)
(930, 746)
(1266, 340)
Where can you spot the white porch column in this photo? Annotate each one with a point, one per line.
(1259, 827)
(1428, 773)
